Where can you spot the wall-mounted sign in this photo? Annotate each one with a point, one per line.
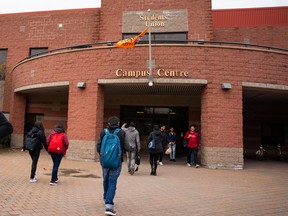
(146, 73)
(161, 21)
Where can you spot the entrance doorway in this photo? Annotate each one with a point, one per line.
(147, 116)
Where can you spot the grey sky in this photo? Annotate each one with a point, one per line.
(15, 6)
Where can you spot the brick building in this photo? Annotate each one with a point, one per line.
(223, 70)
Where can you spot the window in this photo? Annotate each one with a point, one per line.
(161, 37)
(3, 55)
(3, 59)
(35, 51)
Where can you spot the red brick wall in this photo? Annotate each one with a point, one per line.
(41, 30)
(221, 123)
(199, 16)
(276, 36)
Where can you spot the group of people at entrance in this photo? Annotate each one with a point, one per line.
(113, 142)
(167, 142)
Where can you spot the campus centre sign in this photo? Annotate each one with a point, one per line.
(145, 73)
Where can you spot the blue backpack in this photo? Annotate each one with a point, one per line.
(110, 150)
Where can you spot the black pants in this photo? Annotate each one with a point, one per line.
(192, 152)
(162, 154)
(153, 161)
(34, 156)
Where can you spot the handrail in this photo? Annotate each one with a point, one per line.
(111, 43)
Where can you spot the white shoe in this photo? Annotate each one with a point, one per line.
(188, 164)
(197, 166)
(33, 180)
(160, 163)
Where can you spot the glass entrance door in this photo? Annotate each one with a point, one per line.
(145, 117)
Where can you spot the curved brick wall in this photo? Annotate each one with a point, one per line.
(216, 64)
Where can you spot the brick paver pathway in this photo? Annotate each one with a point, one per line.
(260, 189)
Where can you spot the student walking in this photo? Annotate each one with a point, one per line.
(57, 146)
(164, 142)
(155, 152)
(132, 145)
(172, 138)
(193, 144)
(110, 138)
(34, 142)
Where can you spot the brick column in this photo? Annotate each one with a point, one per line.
(17, 118)
(85, 117)
(221, 127)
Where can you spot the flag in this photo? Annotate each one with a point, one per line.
(130, 42)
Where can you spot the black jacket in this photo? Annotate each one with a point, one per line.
(5, 126)
(158, 142)
(121, 136)
(41, 138)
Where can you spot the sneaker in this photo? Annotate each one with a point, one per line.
(56, 181)
(110, 212)
(197, 166)
(131, 171)
(33, 180)
(160, 163)
(188, 164)
(53, 183)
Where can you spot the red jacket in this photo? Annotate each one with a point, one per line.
(193, 141)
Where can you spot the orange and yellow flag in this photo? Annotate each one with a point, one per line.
(130, 42)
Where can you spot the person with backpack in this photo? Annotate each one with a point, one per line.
(110, 146)
(132, 145)
(6, 127)
(156, 149)
(34, 142)
(57, 146)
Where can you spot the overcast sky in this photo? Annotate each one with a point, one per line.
(15, 6)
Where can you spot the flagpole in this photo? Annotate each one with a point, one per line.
(150, 80)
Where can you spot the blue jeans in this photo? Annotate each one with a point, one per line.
(56, 163)
(110, 177)
(173, 151)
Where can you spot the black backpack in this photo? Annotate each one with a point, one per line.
(31, 141)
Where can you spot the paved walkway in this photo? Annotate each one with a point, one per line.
(260, 189)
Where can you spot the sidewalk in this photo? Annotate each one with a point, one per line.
(260, 189)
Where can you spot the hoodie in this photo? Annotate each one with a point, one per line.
(132, 139)
(65, 138)
(158, 141)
